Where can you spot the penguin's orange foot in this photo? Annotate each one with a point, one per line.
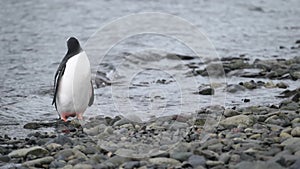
(64, 116)
(79, 116)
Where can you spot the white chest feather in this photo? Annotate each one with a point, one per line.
(75, 86)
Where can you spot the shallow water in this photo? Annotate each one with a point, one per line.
(33, 36)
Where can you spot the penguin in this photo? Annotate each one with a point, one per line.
(73, 87)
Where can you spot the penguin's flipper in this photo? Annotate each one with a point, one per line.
(92, 95)
(59, 73)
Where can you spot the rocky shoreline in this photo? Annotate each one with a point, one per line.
(252, 137)
(214, 137)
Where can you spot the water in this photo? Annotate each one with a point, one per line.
(33, 41)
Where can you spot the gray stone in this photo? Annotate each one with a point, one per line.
(295, 75)
(178, 125)
(37, 151)
(296, 165)
(216, 147)
(181, 147)
(163, 160)
(39, 161)
(69, 166)
(180, 156)
(53, 146)
(292, 146)
(79, 154)
(295, 132)
(62, 140)
(57, 164)
(93, 131)
(122, 122)
(280, 120)
(235, 158)
(196, 160)
(282, 85)
(224, 157)
(81, 166)
(234, 121)
(117, 160)
(214, 163)
(296, 120)
(258, 164)
(285, 135)
(4, 158)
(235, 88)
(250, 85)
(290, 141)
(131, 165)
(230, 113)
(64, 154)
(207, 154)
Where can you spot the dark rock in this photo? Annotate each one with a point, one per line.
(32, 126)
(282, 47)
(179, 56)
(186, 165)
(4, 158)
(207, 91)
(131, 164)
(282, 85)
(246, 100)
(62, 140)
(296, 97)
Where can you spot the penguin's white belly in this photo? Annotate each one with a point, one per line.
(75, 87)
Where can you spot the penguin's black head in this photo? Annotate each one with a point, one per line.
(73, 45)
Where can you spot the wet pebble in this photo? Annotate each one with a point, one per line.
(282, 85)
(206, 91)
